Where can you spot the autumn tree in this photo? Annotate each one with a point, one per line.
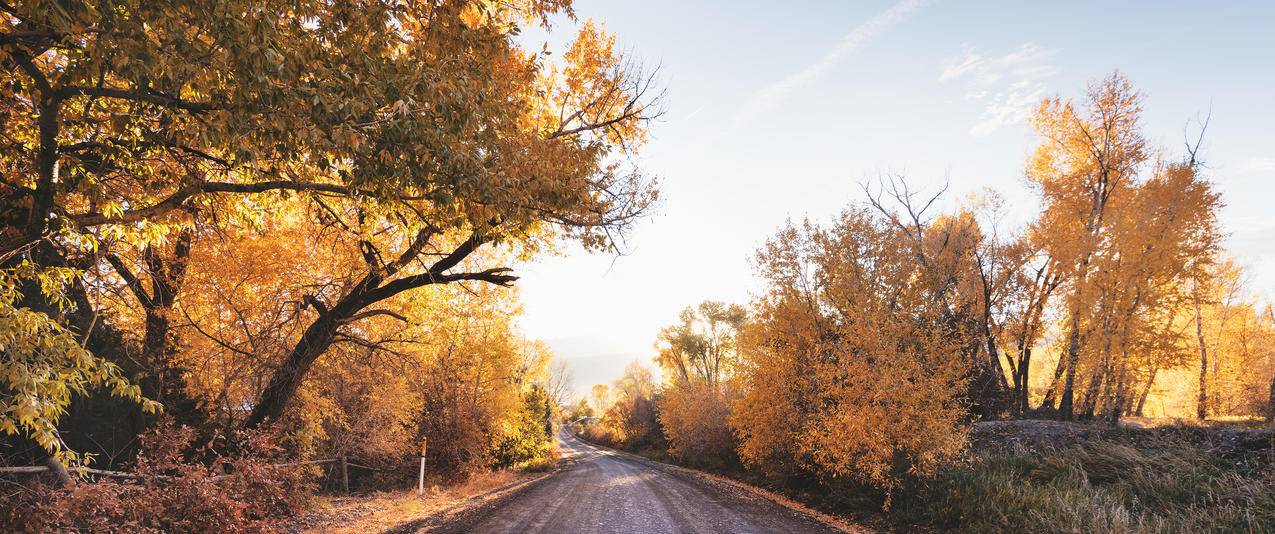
(850, 365)
(1118, 229)
(1084, 169)
(600, 396)
(1227, 334)
(702, 346)
(627, 410)
(127, 128)
(968, 280)
(698, 357)
(559, 384)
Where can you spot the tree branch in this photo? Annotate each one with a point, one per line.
(150, 97)
(130, 279)
(179, 197)
(372, 313)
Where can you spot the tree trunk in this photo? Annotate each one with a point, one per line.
(158, 347)
(1270, 404)
(1023, 381)
(1102, 375)
(1090, 402)
(1119, 403)
(1146, 391)
(1051, 395)
(1201, 405)
(1073, 357)
(321, 334)
(160, 378)
(316, 340)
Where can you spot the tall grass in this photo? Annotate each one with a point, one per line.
(1098, 487)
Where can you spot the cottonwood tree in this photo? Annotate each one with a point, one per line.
(560, 383)
(422, 131)
(1119, 228)
(630, 418)
(600, 395)
(1227, 329)
(1085, 168)
(1168, 233)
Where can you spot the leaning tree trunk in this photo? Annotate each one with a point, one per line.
(1146, 392)
(375, 286)
(1051, 394)
(1021, 381)
(316, 340)
(1089, 403)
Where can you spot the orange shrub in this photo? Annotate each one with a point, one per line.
(850, 365)
(693, 415)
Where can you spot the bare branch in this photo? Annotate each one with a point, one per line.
(373, 313)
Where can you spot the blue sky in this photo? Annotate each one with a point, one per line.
(779, 110)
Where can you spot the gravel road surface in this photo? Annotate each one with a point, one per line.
(603, 491)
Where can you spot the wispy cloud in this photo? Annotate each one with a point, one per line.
(1007, 85)
(769, 97)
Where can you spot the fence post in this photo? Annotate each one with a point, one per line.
(345, 475)
(420, 484)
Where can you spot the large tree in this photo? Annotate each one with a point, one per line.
(1117, 230)
(418, 131)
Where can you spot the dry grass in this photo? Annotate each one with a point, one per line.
(1161, 484)
(383, 510)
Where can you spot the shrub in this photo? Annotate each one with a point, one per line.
(527, 436)
(694, 418)
(853, 363)
(171, 493)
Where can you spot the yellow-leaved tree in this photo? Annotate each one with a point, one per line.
(698, 357)
(403, 138)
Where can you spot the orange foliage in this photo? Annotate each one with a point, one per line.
(849, 366)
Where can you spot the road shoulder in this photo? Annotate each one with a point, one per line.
(458, 516)
(405, 511)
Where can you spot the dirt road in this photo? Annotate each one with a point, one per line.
(603, 491)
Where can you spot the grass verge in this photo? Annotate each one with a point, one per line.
(1161, 483)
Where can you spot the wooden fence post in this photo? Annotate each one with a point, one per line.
(420, 484)
(345, 475)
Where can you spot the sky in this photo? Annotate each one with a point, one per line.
(780, 110)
